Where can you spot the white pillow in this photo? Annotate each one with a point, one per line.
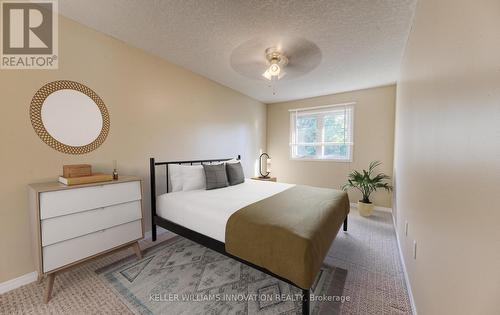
(175, 177)
(193, 177)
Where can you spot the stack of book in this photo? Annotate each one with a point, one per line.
(82, 174)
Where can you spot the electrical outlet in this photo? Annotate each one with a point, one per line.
(414, 249)
(406, 228)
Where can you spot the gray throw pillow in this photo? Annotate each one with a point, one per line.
(215, 176)
(235, 174)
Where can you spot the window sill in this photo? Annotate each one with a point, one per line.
(320, 160)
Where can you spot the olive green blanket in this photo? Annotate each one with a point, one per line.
(288, 233)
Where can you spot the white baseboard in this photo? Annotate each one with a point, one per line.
(18, 282)
(32, 276)
(407, 279)
(384, 209)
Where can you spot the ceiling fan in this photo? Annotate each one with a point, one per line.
(277, 62)
(275, 58)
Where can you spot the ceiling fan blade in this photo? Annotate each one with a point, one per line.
(302, 67)
(297, 71)
(303, 50)
(250, 69)
(304, 56)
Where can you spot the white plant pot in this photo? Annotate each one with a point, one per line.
(365, 209)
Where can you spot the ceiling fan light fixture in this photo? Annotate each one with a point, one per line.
(276, 60)
(270, 77)
(274, 69)
(267, 75)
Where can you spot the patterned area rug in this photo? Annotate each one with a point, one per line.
(181, 277)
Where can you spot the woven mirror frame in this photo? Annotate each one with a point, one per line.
(36, 116)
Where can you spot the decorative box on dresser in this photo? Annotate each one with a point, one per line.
(71, 224)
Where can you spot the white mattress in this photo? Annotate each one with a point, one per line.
(207, 211)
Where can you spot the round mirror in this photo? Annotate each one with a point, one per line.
(69, 117)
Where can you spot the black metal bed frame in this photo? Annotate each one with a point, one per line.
(202, 239)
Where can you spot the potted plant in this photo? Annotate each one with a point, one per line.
(366, 182)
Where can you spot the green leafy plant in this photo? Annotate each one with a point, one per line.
(366, 182)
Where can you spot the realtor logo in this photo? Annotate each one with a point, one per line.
(29, 35)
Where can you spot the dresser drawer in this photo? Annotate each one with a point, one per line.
(65, 227)
(67, 252)
(63, 202)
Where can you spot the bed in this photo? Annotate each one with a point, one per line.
(283, 230)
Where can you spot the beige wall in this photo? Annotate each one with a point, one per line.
(373, 140)
(156, 109)
(447, 161)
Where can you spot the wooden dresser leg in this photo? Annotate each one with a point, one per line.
(137, 250)
(48, 290)
(39, 278)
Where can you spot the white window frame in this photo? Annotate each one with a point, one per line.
(321, 110)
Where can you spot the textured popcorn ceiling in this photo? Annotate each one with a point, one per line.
(361, 42)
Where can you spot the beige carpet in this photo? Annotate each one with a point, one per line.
(368, 251)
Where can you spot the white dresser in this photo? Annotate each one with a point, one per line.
(71, 224)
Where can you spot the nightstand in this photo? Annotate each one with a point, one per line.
(268, 179)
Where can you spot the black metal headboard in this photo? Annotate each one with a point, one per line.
(152, 168)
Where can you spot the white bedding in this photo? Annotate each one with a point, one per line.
(207, 211)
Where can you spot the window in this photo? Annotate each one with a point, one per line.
(322, 133)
